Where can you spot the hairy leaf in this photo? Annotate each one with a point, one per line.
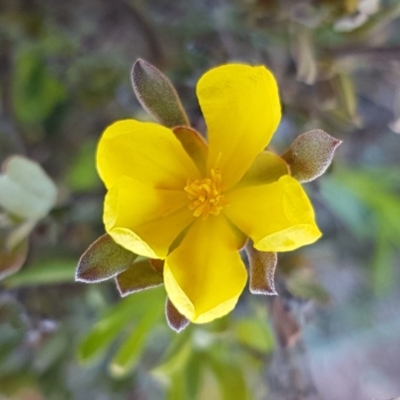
(104, 259)
(262, 270)
(157, 95)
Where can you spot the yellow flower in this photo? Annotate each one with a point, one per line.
(173, 197)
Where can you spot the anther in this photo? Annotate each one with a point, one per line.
(206, 195)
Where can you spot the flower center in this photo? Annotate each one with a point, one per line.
(206, 195)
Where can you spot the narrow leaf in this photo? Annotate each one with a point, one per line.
(104, 259)
(175, 319)
(157, 95)
(230, 377)
(46, 272)
(103, 333)
(131, 349)
(176, 359)
(139, 276)
(310, 154)
(262, 270)
(115, 319)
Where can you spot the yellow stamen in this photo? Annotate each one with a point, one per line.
(206, 195)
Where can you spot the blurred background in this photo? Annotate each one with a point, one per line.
(334, 331)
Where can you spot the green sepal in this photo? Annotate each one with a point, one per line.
(139, 276)
(310, 154)
(157, 95)
(104, 259)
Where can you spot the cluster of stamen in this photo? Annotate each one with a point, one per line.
(206, 195)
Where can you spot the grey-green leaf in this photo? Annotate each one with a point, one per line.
(25, 189)
(157, 95)
(104, 259)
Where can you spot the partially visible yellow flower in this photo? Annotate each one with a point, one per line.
(195, 206)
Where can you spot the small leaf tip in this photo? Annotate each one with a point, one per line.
(176, 321)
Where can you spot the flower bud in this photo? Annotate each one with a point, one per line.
(310, 154)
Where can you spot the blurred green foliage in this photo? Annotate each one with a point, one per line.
(64, 76)
(373, 196)
(36, 92)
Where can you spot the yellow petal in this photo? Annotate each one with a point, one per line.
(242, 111)
(145, 220)
(277, 217)
(205, 275)
(147, 152)
(266, 168)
